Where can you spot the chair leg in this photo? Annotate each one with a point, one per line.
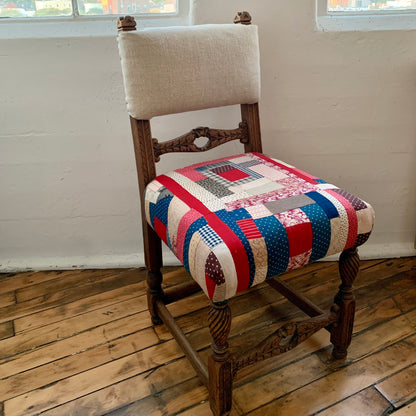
(154, 292)
(153, 260)
(219, 362)
(341, 332)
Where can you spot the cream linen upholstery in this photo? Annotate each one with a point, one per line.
(178, 69)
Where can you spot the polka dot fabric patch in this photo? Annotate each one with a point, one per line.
(234, 222)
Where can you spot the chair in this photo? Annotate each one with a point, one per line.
(237, 221)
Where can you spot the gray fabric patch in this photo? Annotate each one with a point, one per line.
(214, 187)
(164, 193)
(282, 205)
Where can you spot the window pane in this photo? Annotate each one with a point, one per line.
(35, 8)
(361, 5)
(94, 7)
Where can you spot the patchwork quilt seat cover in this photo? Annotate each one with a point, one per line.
(236, 221)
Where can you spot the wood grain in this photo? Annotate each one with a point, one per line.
(110, 360)
(409, 410)
(250, 115)
(6, 330)
(76, 279)
(366, 402)
(7, 299)
(399, 388)
(14, 281)
(343, 383)
(67, 295)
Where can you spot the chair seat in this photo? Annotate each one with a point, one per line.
(236, 221)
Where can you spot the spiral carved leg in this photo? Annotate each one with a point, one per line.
(219, 362)
(154, 292)
(341, 332)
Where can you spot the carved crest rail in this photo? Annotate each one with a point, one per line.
(186, 142)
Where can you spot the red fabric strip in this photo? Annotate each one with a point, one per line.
(211, 285)
(300, 238)
(185, 222)
(160, 229)
(227, 235)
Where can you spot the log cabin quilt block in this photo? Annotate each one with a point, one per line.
(236, 221)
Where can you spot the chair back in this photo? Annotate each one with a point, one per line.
(177, 69)
(173, 70)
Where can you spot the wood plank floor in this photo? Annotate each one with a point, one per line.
(81, 343)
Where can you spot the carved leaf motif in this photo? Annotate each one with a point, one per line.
(186, 142)
(285, 338)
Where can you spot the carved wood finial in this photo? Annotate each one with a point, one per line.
(125, 24)
(242, 17)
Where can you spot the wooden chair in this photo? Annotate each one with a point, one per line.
(237, 221)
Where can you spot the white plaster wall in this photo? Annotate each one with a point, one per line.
(341, 105)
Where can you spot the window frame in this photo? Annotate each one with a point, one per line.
(342, 21)
(77, 25)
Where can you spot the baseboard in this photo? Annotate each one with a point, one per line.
(381, 251)
(109, 261)
(368, 251)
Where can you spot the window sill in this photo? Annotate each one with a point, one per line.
(82, 26)
(367, 22)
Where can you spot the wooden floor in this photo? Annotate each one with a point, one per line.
(81, 343)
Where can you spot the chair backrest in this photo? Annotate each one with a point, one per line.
(173, 70)
(178, 69)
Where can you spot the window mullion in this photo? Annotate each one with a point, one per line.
(75, 10)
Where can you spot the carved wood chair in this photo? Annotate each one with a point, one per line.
(237, 221)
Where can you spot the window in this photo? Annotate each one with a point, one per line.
(370, 5)
(74, 8)
(352, 15)
(88, 17)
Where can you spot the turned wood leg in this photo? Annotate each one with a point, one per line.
(341, 331)
(219, 362)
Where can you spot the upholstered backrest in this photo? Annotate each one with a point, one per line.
(177, 69)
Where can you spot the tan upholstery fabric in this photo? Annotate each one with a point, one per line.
(177, 69)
